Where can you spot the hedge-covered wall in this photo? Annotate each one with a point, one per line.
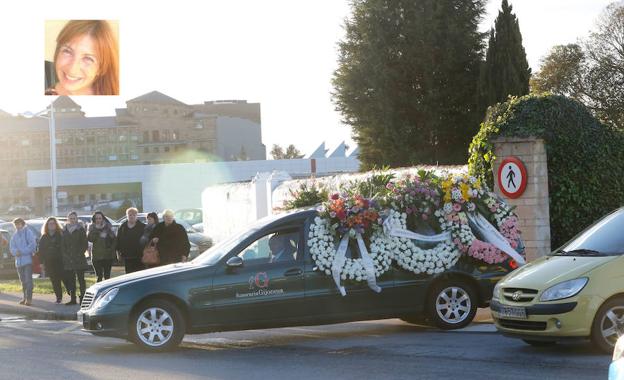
(585, 157)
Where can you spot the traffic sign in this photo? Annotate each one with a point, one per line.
(512, 177)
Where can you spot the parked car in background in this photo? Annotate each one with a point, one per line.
(190, 215)
(241, 283)
(200, 242)
(86, 219)
(577, 291)
(7, 261)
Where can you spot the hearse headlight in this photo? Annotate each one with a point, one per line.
(106, 298)
(564, 289)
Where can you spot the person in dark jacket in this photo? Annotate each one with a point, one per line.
(152, 222)
(74, 260)
(128, 244)
(102, 236)
(51, 253)
(171, 240)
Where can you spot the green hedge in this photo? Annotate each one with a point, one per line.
(585, 157)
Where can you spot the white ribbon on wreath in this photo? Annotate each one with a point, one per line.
(341, 258)
(493, 236)
(331, 257)
(393, 229)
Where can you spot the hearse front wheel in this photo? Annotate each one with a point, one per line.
(452, 304)
(157, 325)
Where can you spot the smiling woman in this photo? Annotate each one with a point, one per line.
(85, 60)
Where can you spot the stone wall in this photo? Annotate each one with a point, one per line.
(532, 206)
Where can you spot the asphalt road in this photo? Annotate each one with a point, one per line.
(388, 349)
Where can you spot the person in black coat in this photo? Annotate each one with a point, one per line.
(171, 240)
(74, 260)
(129, 245)
(51, 254)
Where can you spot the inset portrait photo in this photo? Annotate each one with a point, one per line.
(81, 57)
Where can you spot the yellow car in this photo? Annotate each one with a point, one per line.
(577, 291)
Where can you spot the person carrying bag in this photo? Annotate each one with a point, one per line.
(151, 256)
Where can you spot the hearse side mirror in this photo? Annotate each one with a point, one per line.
(234, 262)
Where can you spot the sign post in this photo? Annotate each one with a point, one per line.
(512, 177)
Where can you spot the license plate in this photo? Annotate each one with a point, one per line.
(513, 312)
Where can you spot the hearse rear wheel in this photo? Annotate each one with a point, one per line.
(452, 304)
(157, 325)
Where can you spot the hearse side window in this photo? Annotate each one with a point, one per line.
(276, 247)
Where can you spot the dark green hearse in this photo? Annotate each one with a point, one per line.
(266, 278)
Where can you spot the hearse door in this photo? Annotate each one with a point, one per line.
(323, 299)
(268, 286)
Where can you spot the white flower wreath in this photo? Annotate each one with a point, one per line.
(323, 244)
(418, 260)
(457, 223)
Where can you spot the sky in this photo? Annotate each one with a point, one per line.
(281, 53)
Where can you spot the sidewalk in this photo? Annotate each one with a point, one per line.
(483, 316)
(43, 307)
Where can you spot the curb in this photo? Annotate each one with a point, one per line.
(38, 314)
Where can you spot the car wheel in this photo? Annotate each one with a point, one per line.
(452, 304)
(608, 325)
(540, 343)
(157, 325)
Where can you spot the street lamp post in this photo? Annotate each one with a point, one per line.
(52, 129)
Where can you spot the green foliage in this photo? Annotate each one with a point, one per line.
(277, 152)
(506, 70)
(306, 196)
(371, 187)
(407, 77)
(561, 72)
(585, 157)
(592, 71)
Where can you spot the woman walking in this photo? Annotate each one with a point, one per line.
(103, 238)
(23, 245)
(51, 252)
(74, 260)
(129, 241)
(152, 222)
(171, 240)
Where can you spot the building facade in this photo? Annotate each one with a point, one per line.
(153, 129)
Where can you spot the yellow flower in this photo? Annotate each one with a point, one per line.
(464, 190)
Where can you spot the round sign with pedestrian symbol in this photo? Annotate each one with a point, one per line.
(512, 177)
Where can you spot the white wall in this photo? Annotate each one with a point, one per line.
(181, 185)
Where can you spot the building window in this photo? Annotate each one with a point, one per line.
(156, 150)
(146, 136)
(146, 150)
(155, 136)
(166, 149)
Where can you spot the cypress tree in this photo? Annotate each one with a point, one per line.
(407, 79)
(506, 70)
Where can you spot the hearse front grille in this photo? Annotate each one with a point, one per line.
(87, 300)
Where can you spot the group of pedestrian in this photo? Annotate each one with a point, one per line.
(62, 250)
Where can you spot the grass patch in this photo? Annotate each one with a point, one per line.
(41, 285)
(44, 286)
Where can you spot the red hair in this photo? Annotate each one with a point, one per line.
(106, 49)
